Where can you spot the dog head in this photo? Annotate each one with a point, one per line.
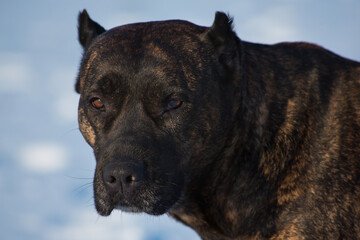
(156, 102)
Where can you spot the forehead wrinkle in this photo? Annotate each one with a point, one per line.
(153, 88)
(158, 64)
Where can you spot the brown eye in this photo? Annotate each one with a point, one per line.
(98, 104)
(173, 104)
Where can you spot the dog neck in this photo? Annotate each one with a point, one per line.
(237, 199)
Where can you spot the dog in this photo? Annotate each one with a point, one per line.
(236, 140)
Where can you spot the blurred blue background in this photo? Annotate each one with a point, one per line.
(46, 167)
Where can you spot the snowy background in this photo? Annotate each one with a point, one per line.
(46, 167)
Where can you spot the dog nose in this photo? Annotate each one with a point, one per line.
(122, 177)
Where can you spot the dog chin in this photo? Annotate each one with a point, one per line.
(152, 211)
(129, 209)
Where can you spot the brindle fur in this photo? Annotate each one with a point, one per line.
(266, 144)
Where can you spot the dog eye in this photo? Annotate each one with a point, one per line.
(98, 104)
(173, 104)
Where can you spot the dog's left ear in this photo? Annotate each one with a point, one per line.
(225, 41)
(88, 29)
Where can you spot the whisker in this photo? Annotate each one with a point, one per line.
(70, 131)
(91, 199)
(82, 188)
(81, 178)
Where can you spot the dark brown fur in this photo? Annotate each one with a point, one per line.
(266, 143)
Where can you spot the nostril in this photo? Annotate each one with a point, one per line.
(130, 179)
(111, 179)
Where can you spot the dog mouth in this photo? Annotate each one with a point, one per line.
(106, 209)
(104, 205)
(128, 209)
(153, 200)
(153, 207)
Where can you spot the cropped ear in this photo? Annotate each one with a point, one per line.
(87, 29)
(225, 41)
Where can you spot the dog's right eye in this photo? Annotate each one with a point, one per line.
(98, 104)
(173, 104)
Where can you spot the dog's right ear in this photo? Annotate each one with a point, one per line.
(87, 29)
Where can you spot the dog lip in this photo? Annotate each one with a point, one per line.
(125, 206)
(128, 209)
(103, 208)
(105, 212)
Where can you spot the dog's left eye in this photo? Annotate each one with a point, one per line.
(173, 104)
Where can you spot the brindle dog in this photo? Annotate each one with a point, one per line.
(234, 139)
